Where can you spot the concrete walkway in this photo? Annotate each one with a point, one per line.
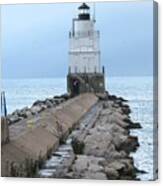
(32, 139)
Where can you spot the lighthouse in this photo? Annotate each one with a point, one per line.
(85, 73)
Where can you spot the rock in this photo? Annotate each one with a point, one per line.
(111, 155)
(129, 168)
(115, 105)
(117, 165)
(102, 96)
(88, 167)
(24, 109)
(58, 100)
(116, 129)
(9, 116)
(81, 164)
(130, 144)
(95, 175)
(95, 168)
(106, 112)
(115, 119)
(48, 103)
(120, 116)
(118, 139)
(112, 97)
(119, 110)
(134, 126)
(123, 154)
(57, 97)
(127, 120)
(43, 106)
(126, 110)
(38, 102)
(52, 101)
(78, 146)
(28, 113)
(122, 99)
(16, 112)
(22, 112)
(65, 96)
(118, 102)
(97, 143)
(111, 173)
(107, 104)
(13, 119)
(69, 175)
(36, 109)
(140, 171)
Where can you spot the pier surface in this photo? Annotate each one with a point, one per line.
(84, 137)
(33, 138)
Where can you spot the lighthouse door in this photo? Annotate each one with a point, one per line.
(75, 87)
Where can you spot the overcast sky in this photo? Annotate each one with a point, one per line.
(35, 38)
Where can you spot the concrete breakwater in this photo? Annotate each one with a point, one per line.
(98, 147)
(82, 137)
(31, 140)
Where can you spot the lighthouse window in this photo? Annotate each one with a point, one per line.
(84, 11)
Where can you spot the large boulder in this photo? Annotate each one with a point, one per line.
(111, 173)
(130, 144)
(36, 109)
(16, 112)
(23, 112)
(113, 118)
(58, 100)
(95, 175)
(97, 143)
(88, 167)
(48, 103)
(126, 109)
(13, 118)
(65, 96)
(38, 102)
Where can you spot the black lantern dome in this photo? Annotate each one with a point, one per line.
(84, 12)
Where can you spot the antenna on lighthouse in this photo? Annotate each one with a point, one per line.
(94, 12)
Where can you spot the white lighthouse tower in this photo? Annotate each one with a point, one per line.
(85, 72)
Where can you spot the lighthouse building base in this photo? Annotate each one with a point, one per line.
(78, 83)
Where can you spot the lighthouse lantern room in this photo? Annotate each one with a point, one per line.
(85, 72)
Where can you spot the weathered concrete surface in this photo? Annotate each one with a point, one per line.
(103, 152)
(32, 139)
(101, 144)
(62, 159)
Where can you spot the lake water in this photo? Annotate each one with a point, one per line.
(138, 90)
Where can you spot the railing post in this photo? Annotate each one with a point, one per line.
(103, 70)
(4, 123)
(3, 104)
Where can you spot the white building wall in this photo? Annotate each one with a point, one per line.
(83, 26)
(84, 51)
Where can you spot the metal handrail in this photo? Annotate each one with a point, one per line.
(3, 105)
